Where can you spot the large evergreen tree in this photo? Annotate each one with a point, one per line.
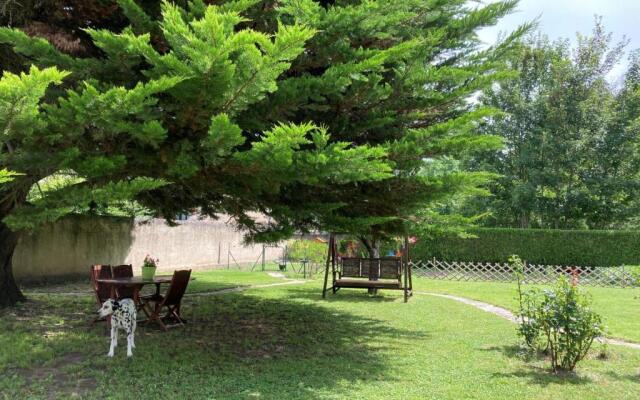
(392, 74)
(182, 108)
(150, 112)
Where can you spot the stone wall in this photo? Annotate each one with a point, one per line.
(66, 248)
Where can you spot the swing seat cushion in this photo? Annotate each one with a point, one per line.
(365, 283)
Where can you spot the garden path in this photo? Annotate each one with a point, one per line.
(508, 315)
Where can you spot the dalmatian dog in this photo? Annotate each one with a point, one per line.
(123, 316)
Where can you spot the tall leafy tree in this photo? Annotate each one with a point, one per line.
(627, 124)
(150, 113)
(570, 159)
(392, 74)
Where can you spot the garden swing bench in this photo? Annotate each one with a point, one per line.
(392, 273)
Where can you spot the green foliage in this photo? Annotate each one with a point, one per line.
(561, 322)
(315, 252)
(6, 176)
(551, 247)
(20, 96)
(140, 21)
(388, 74)
(353, 247)
(64, 200)
(153, 119)
(571, 158)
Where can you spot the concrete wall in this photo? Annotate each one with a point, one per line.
(67, 247)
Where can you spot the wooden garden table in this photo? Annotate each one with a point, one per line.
(137, 283)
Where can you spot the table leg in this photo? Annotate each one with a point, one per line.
(150, 312)
(138, 303)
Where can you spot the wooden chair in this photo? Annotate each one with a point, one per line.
(171, 300)
(123, 271)
(101, 291)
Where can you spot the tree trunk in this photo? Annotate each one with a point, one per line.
(373, 248)
(524, 220)
(10, 294)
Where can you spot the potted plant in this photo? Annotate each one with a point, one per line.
(149, 267)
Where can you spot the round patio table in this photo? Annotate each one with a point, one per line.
(136, 283)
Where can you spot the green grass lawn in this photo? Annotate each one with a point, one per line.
(284, 342)
(619, 307)
(221, 279)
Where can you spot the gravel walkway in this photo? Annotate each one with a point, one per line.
(508, 315)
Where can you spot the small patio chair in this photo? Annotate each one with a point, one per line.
(101, 291)
(124, 292)
(171, 300)
(123, 271)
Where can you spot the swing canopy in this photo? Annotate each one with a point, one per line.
(368, 273)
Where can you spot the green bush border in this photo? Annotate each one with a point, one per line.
(543, 246)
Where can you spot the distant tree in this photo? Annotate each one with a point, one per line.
(148, 113)
(571, 157)
(627, 124)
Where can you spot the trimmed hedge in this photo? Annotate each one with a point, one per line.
(543, 246)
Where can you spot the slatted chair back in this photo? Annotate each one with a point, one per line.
(371, 268)
(123, 271)
(101, 290)
(390, 268)
(351, 267)
(177, 288)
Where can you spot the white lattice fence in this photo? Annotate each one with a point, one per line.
(534, 273)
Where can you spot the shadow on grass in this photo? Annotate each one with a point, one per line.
(345, 295)
(634, 378)
(285, 327)
(544, 377)
(533, 373)
(238, 345)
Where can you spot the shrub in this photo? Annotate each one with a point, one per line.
(587, 248)
(528, 327)
(559, 321)
(314, 251)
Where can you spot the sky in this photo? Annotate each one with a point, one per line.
(563, 18)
